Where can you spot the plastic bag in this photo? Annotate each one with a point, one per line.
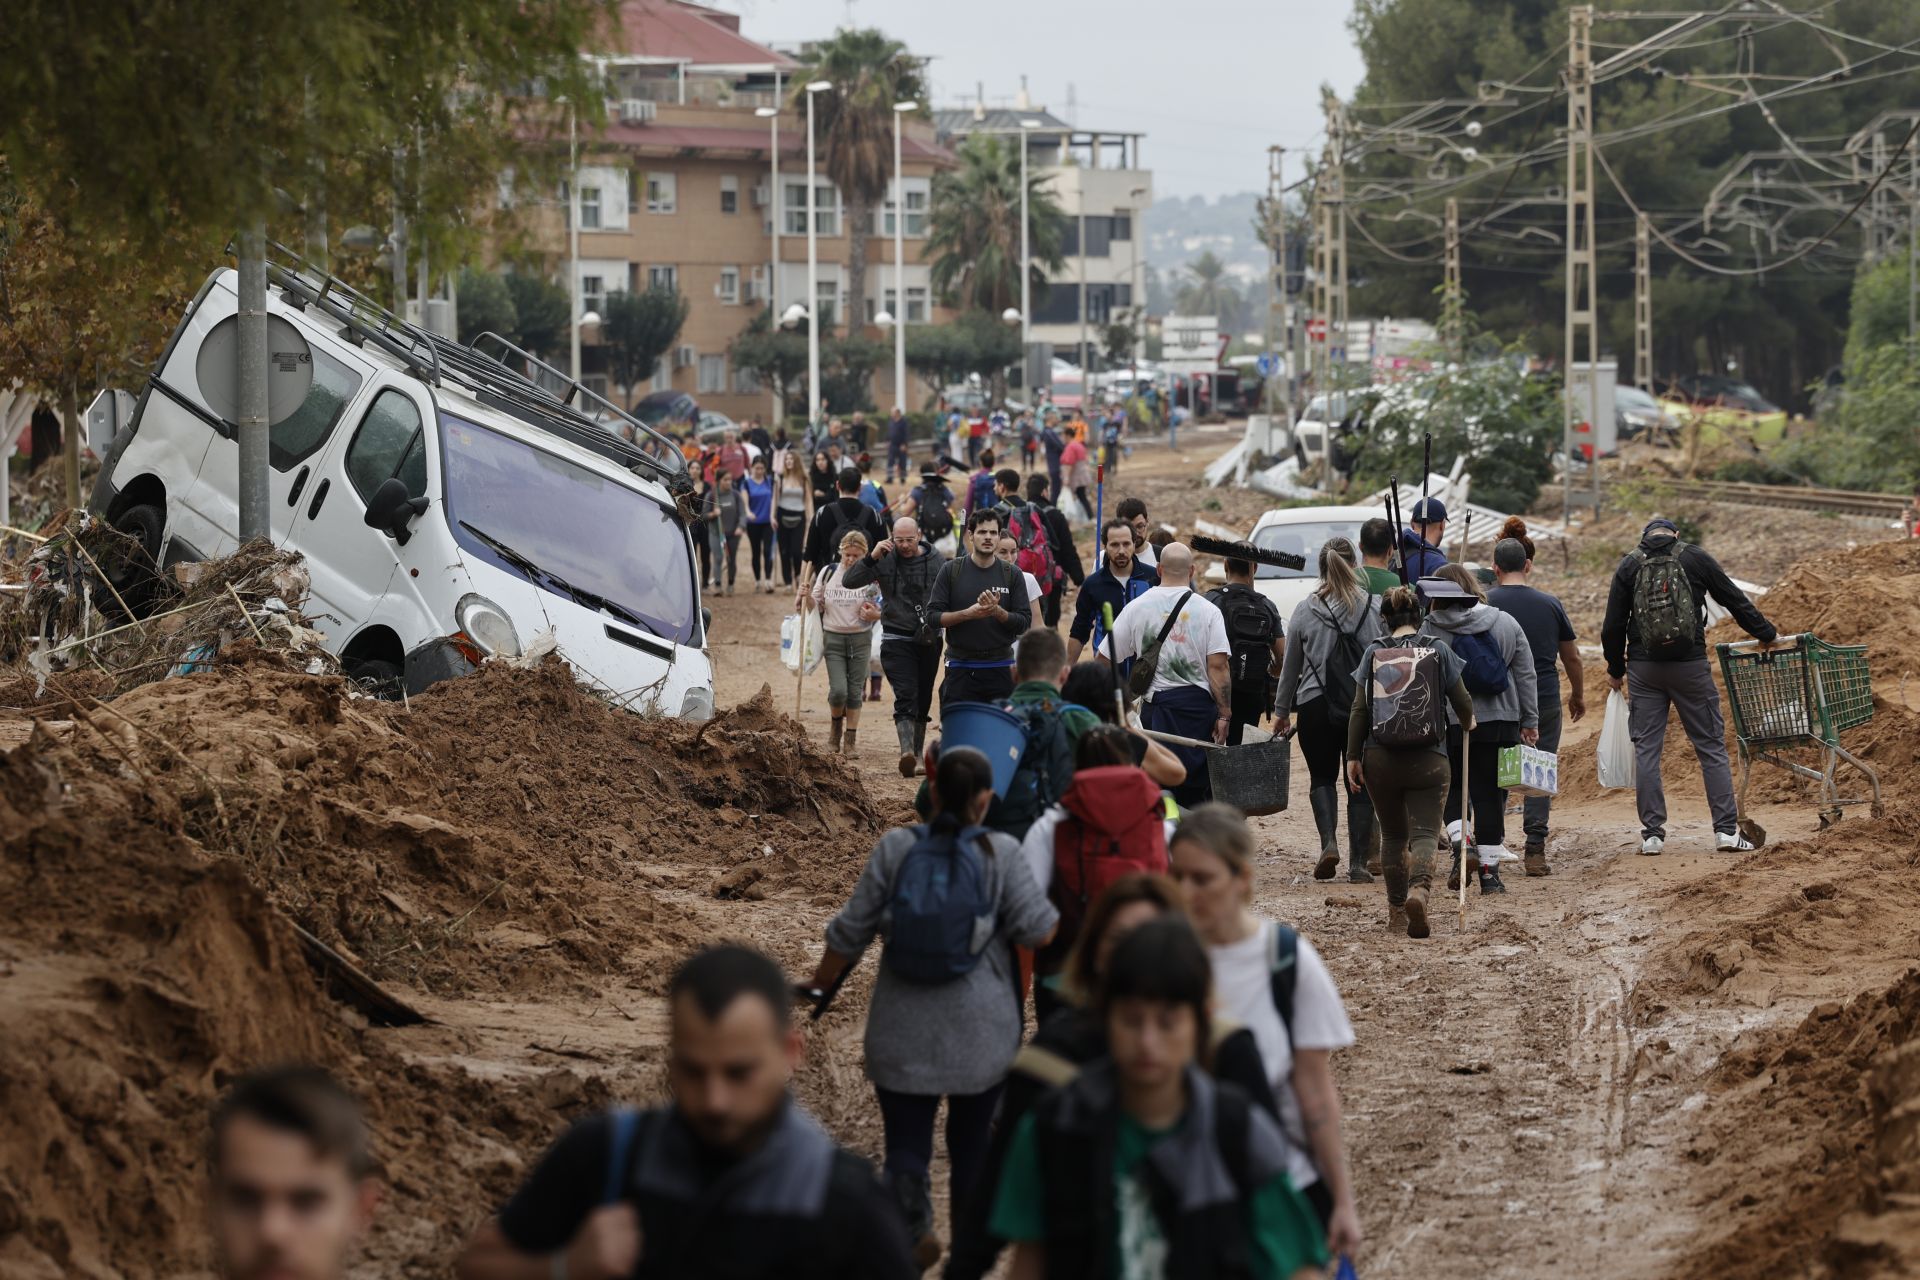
(1616, 745)
(948, 546)
(1076, 512)
(801, 638)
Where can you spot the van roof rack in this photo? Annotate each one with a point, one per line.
(437, 359)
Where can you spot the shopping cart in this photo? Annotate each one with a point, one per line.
(1802, 692)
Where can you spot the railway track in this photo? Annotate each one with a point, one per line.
(1840, 501)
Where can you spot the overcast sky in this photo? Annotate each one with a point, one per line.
(1212, 83)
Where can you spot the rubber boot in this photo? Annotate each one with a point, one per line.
(1326, 817)
(833, 735)
(1417, 926)
(1396, 875)
(1374, 863)
(873, 689)
(903, 730)
(846, 743)
(913, 1192)
(1359, 837)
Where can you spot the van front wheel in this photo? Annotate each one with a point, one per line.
(135, 574)
(379, 677)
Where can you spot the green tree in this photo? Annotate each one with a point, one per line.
(854, 122)
(846, 372)
(1208, 292)
(636, 330)
(778, 357)
(486, 305)
(540, 309)
(1118, 338)
(1505, 424)
(1879, 308)
(973, 228)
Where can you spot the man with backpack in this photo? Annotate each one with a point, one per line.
(1420, 541)
(983, 605)
(1654, 638)
(1257, 642)
(1053, 728)
(1060, 543)
(1034, 549)
(731, 1178)
(931, 505)
(906, 567)
(980, 485)
(833, 519)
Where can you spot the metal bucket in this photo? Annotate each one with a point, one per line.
(1252, 777)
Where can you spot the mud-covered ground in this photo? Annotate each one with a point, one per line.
(1684, 1066)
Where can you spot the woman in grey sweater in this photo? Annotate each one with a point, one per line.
(1328, 632)
(953, 1039)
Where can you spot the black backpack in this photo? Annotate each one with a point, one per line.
(1666, 616)
(1253, 624)
(935, 515)
(1337, 685)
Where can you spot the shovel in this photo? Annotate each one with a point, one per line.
(1750, 828)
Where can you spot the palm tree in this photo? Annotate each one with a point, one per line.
(973, 228)
(869, 72)
(1208, 292)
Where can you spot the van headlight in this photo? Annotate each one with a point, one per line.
(697, 705)
(488, 626)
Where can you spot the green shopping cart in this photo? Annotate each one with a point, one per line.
(1803, 692)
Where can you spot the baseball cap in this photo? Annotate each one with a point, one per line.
(1429, 511)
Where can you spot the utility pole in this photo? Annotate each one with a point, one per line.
(1643, 305)
(398, 249)
(250, 384)
(1582, 337)
(1877, 238)
(1086, 352)
(1333, 207)
(1276, 267)
(1452, 300)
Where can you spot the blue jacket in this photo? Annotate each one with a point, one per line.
(1054, 445)
(1103, 588)
(1423, 558)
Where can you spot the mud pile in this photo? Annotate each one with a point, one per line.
(508, 833)
(1863, 595)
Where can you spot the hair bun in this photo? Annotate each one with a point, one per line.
(1515, 527)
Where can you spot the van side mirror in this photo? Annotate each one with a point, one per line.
(392, 509)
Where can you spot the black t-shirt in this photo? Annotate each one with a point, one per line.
(1545, 621)
(696, 1230)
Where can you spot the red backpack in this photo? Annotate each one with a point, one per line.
(1034, 553)
(1115, 826)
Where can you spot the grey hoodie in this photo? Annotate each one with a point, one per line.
(1520, 700)
(1311, 634)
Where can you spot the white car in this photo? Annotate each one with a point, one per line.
(449, 509)
(1303, 531)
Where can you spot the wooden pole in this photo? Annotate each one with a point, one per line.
(1466, 818)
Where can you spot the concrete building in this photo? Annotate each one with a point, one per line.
(1102, 187)
(677, 190)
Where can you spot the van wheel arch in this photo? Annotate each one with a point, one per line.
(375, 658)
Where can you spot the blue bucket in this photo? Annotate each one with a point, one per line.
(994, 733)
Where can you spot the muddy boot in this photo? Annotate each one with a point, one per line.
(846, 743)
(873, 688)
(1397, 921)
(1374, 864)
(1453, 872)
(903, 730)
(1326, 817)
(1537, 859)
(913, 1192)
(1359, 836)
(1490, 880)
(1417, 926)
(833, 735)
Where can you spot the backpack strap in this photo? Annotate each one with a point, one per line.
(625, 1123)
(1283, 967)
(1232, 1122)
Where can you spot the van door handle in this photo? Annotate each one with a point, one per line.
(319, 496)
(299, 483)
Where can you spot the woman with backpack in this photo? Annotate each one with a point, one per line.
(792, 515)
(1326, 636)
(1497, 668)
(847, 615)
(1110, 822)
(1143, 1164)
(943, 1021)
(1397, 750)
(1072, 1036)
(1271, 980)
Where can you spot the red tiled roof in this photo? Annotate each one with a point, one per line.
(677, 29)
(754, 140)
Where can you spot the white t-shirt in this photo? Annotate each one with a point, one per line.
(1147, 556)
(1243, 987)
(1200, 633)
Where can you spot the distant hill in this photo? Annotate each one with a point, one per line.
(1181, 228)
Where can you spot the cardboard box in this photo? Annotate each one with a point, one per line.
(1530, 771)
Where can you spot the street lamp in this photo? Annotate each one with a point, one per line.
(1139, 284)
(1026, 263)
(573, 237)
(813, 265)
(1013, 316)
(772, 116)
(900, 109)
(793, 316)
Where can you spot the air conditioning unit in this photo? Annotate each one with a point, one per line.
(762, 195)
(636, 111)
(683, 357)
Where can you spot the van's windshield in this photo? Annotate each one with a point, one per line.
(595, 536)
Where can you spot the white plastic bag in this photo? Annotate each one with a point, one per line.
(1616, 745)
(948, 546)
(801, 639)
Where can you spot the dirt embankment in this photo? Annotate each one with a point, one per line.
(505, 834)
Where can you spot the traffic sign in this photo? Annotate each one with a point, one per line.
(1268, 364)
(1317, 330)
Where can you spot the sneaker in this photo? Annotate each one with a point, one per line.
(1731, 842)
(1652, 846)
(1490, 881)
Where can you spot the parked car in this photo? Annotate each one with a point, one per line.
(1637, 415)
(1726, 402)
(668, 411)
(449, 508)
(1303, 531)
(713, 432)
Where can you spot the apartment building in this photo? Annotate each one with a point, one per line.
(1099, 181)
(678, 190)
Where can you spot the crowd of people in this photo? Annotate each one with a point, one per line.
(1130, 1067)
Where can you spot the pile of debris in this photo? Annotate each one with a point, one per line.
(89, 599)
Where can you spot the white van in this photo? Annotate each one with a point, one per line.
(449, 508)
